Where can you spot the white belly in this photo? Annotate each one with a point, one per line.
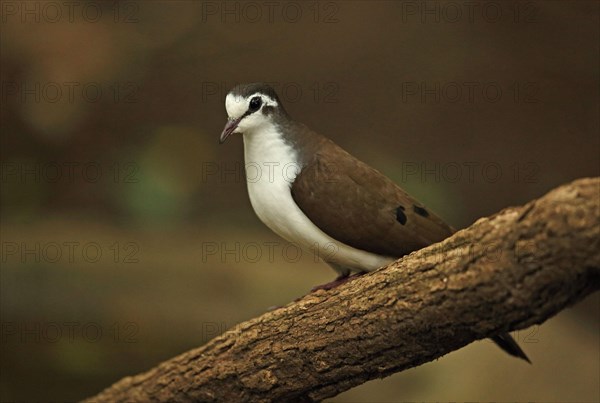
(271, 167)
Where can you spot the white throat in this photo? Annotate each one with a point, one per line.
(271, 168)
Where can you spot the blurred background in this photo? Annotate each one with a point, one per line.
(127, 235)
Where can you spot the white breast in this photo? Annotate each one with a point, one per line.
(271, 167)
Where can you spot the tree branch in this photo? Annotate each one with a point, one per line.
(509, 271)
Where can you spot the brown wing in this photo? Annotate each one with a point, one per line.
(361, 207)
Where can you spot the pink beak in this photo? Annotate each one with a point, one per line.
(230, 127)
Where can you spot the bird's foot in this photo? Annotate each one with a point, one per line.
(341, 279)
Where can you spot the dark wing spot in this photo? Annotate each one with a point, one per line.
(400, 216)
(420, 211)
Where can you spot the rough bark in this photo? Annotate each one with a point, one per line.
(509, 271)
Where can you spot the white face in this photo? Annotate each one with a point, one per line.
(236, 106)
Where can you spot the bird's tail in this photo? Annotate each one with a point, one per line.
(508, 344)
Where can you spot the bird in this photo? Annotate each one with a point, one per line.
(313, 193)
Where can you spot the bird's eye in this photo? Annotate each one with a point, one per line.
(255, 103)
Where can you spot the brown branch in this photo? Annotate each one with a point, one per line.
(509, 271)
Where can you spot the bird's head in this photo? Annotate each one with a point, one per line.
(250, 106)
